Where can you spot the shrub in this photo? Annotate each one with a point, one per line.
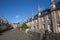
(24, 26)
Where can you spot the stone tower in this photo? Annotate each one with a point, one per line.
(53, 14)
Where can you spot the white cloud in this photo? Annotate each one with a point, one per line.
(17, 16)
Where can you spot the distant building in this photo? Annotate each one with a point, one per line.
(48, 19)
(14, 25)
(3, 20)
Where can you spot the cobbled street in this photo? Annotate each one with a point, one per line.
(14, 34)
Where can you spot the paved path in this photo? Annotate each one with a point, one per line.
(14, 34)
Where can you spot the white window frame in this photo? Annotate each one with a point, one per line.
(49, 28)
(47, 17)
(43, 26)
(42, 19)
(59, 13)
(58, 27)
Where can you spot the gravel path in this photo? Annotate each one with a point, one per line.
(14, 34)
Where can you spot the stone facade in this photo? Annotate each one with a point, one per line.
(48, 19)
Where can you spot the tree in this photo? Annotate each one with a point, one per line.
(24, 26)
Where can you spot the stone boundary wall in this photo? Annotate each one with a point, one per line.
(46, 36)
(52, 36)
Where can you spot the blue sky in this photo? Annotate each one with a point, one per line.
(18, 10)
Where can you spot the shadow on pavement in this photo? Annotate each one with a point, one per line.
(1, 32)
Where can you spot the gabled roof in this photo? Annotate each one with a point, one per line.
(46, 11)
(58, 5)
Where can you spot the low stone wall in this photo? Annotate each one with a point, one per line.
(34, 35)
(46, 36)
(52, 36)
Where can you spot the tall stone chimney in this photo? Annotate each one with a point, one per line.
(53, 6)
(32, 14)
(39, 13)
(33, 27)
(39, 19)
(53, 14)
